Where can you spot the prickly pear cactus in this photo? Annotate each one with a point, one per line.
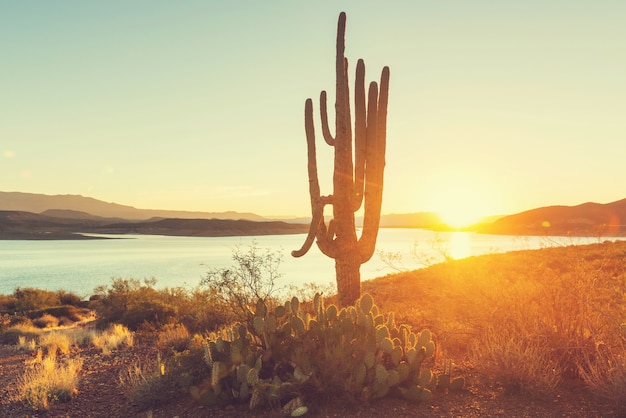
(296, 349)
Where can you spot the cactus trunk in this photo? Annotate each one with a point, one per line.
(348, 274)
(357, 176)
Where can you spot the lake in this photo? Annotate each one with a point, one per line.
(80, 266)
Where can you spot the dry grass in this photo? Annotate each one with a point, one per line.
(144, 382)
(12, 334)
(518, 363)
(27, 337)
(529, 319)
(26, 344)
(115, 336)
(49, 380)
(46, 378)
(174, 337)
(605, 373)
(56, 342)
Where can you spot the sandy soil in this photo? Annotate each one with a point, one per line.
(99, 395)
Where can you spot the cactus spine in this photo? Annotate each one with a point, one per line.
(354, 180)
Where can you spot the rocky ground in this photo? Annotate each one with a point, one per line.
(100, 395)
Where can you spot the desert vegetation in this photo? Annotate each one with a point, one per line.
(530, 321)
(357, 181)
(528, 325)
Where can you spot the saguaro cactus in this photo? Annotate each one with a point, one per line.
(353, 183)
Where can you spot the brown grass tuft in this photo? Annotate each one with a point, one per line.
(49, 380)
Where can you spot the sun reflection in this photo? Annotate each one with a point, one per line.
(459, 245)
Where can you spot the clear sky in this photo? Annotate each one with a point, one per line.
(495, 106)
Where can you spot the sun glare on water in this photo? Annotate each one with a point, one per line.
(459, 245)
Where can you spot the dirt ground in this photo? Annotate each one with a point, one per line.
(99, 395)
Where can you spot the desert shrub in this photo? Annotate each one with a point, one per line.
(252, 276)
(49, 380)
(28, 299)
(5, 320)
(69, 298)
(174, 337)
(71, 312)
(149, 314)
(7, 304)
(199, 309)
(159, 379)
(223, 296)
(136, 304)
(131, 303)
(145, 383)
(46, 321)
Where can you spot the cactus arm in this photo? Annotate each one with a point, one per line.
(324, 116)
(373, 175)
(360, 132)
(383, 99)
(313, 228)
(317, 207)
(376, 131)
(317, 227)
(325, 239)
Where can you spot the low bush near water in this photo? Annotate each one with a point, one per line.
(135, 305)
(29, 299)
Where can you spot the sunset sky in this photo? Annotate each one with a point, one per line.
(494, 107)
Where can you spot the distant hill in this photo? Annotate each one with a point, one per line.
(38, 203)
(28, 225)
(74, 214)
(587, 219)
(204, 227)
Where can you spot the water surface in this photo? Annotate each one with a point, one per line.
(82, 265)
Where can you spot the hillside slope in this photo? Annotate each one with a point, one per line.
(593, 219)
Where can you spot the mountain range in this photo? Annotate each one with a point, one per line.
(36, 216)
(67, 224)
(81, 207)
(39, 216)
(38, 203)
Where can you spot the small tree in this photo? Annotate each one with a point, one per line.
(252, 277)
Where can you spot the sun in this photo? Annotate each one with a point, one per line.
(461, 204)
